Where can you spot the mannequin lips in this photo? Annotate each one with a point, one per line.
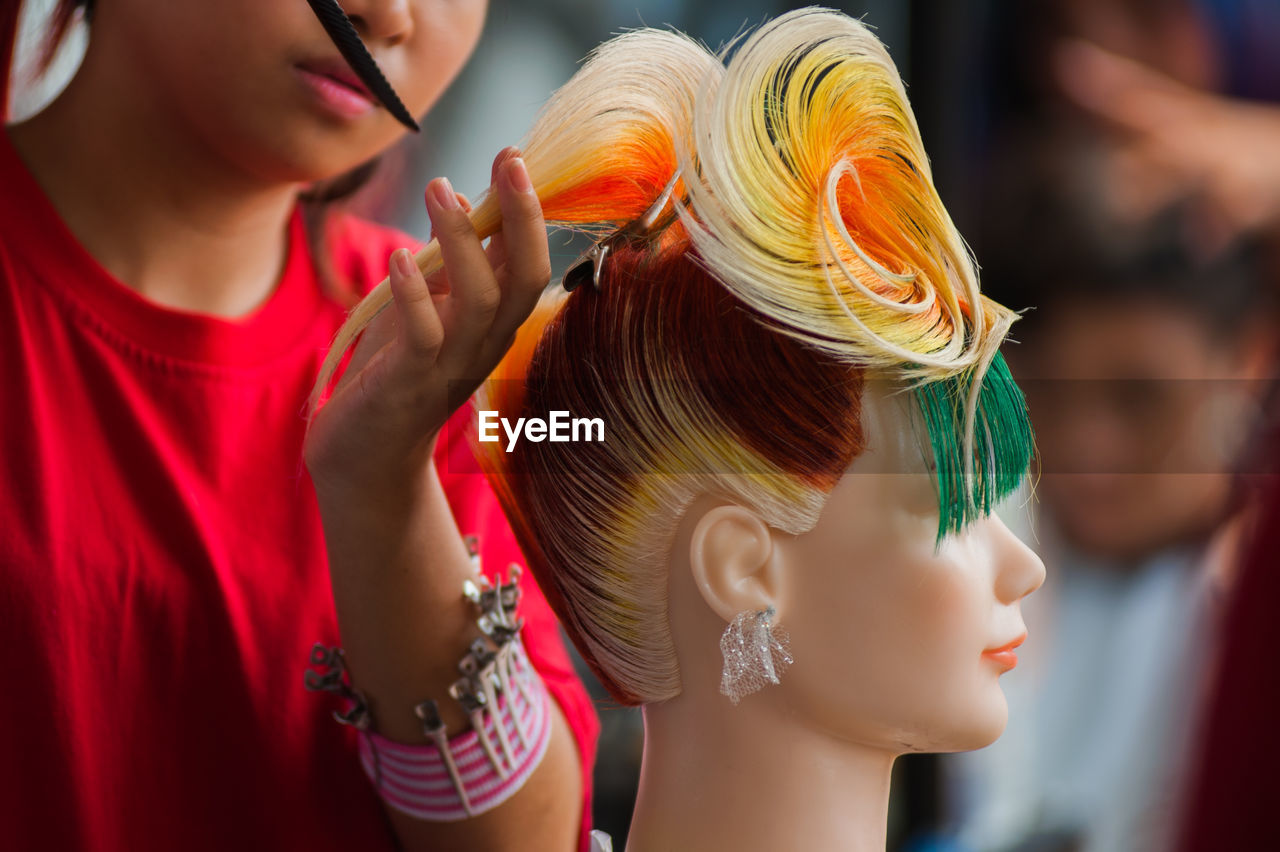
(1004, 656)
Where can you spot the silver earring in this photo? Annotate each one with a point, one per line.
(755, 653)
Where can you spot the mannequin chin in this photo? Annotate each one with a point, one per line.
(888, 629)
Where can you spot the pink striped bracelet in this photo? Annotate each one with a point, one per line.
(506, 701)
(473, 772)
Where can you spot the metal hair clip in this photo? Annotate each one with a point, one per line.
(518, 677)
(489, 682)
(510, 590)
(495, 605)
(589, 265)
(333, 680)
(505, 667)
(433, 728)
(495, 672)
(473, 701)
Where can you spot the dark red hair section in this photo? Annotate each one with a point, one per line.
(662, 344)
(663, 324)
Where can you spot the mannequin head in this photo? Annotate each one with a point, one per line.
(758, 439)
(808, 292)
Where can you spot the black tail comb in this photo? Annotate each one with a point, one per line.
(344, 35)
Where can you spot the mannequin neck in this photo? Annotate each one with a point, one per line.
(754, 777)
(716, 776)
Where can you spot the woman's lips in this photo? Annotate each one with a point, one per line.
(1004, 656)
(336, 89)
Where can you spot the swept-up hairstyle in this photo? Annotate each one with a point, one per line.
(726, 354)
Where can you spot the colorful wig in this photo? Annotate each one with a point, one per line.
(727, 353)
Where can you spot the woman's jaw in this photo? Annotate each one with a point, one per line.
(259, 88)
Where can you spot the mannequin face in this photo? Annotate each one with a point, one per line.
(887, 629)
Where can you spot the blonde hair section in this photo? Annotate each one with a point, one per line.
(830, 156)
(599, 153)
(827, 110)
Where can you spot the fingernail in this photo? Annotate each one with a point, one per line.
(500, 161)
(518, 174)
(443, 191)
(404, 262)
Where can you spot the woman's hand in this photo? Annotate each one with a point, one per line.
(1180, 142)
(424, 356)
(396, 558)
(397, 562)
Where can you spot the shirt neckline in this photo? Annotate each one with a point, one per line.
(36, 231)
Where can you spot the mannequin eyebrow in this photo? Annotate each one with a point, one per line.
(347, 40)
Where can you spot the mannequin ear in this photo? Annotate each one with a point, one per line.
(734, 562)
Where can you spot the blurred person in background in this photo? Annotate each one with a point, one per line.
(1186, 91)
(1230, 794)
(1133, 201)
(1142, 362)
(1198, 142)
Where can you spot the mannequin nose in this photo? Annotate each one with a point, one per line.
(1019, 571)
(389, 21)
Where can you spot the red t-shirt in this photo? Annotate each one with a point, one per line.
(162, 570)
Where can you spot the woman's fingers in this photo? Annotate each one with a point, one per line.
(497, 248)
(528, 259)
(524, 233)
(462, 333)
(474, 296)
(420, 328)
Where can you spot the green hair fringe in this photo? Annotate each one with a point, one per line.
(1003, 443)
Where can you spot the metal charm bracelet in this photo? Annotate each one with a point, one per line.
(505, 700)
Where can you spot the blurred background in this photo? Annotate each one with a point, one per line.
(1115, 165)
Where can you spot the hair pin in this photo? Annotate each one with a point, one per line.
(433, 728)
(589, 265)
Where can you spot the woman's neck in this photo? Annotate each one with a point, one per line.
(159, 209)
(749, 778)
